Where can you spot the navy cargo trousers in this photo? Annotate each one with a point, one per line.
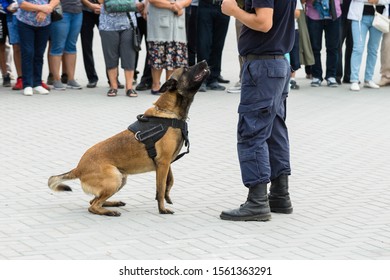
(262, 136)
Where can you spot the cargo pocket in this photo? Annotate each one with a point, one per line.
(254, 119)
(250, 169)
(277, 72)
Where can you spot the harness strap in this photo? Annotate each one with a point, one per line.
(149, 130)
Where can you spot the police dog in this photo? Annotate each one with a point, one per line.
(104, 168)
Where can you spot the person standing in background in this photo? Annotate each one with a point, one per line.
(146, 79)
(385, 59)
(345, 36)
(324, 17)
(362, 15)
(91, 13)
(34, 27)
(212, 29)
(167, 40)
(63, 38)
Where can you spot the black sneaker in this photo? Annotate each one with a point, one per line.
(64, 78)
(221, 80)
(293, 84)
(91, 84)
(143, 86)
(50, 79)
(215, 86)
(7, 80)
(202, 88)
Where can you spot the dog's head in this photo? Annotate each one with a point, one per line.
(179, 90)
(187, 81)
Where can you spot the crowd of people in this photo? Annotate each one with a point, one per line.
(339, 23)
(179, 33)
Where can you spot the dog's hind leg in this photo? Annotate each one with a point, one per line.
(162, 171)
(97, 205)
(169, 186)
(113, 203)
(104, 184)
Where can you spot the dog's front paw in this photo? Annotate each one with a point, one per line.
(166, 211)
(168, 199)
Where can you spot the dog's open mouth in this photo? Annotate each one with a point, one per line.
(200, 76)
(202, 71)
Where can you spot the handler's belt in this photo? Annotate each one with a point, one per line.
(251, 57)
(149, 130)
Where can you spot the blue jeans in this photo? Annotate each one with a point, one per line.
(64, 34)
(262, 136)
(33, 41)
(332, 38)
(359, 34)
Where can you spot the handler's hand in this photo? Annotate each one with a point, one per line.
(228, 7)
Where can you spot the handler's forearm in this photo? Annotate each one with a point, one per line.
(260, 21)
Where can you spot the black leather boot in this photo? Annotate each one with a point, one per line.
(256, 207)
(279, 198)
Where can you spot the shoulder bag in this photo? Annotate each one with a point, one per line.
(381, 22)
(136, 35)
(57, 15)
(119, 6)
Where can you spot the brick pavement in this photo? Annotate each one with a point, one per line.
(340, 144)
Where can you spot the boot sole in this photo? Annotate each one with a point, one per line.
(282, 210)
(260, 218)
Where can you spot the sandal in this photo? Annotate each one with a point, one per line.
(131, 93)
(155, 92)
(112, 92)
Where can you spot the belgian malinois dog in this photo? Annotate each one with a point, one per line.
(103, 169)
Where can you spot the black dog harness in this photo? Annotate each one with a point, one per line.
(149, 130)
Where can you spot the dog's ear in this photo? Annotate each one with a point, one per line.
(170, 85)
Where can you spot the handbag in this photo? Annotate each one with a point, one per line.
(57, 15)
(119, 6)
(381, 22)
(136, 35)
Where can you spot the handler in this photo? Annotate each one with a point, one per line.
(263, 145)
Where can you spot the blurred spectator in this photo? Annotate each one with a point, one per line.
(294, 54)
(167, 40)
(63, 38)
(91, 13)
(116, 34)
(34, 27)
(11, 6)
(324, 17)
(362, 14)
(146, 79)
(385, 59)
(212, 29)
(345, 36)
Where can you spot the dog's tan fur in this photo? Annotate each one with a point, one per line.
(104, 168)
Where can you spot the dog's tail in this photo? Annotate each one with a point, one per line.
(55, 182)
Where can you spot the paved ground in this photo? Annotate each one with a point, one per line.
(340, 143)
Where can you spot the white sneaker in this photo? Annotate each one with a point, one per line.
(40, 90)
(28, 91)
(371, 84)
(355, 87)
(235, 89)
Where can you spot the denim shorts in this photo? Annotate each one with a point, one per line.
(64, 34)
(13, 32)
